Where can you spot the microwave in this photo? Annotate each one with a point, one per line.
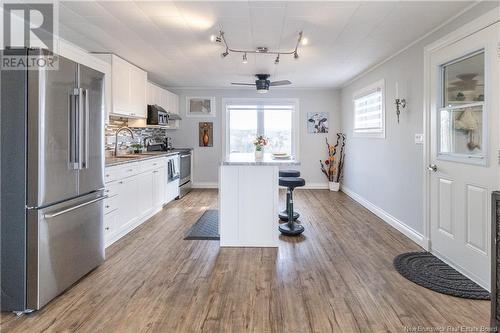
(157, 115)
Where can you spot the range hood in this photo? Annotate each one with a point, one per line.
(173, 116)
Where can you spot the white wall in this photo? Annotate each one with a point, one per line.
(388, 173)
(312, 146)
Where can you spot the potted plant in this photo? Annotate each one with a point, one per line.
(260, 142)
(137, 148)
(333, 166)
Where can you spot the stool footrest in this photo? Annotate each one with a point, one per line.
(284, 216)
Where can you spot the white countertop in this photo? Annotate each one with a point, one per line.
(249, 159)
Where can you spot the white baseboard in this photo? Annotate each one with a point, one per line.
(388, 218)
(313, 186)
(204, 185)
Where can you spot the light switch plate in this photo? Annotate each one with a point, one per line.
(419, 139)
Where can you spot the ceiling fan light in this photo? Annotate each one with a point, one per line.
(262, 90)
(245, 60)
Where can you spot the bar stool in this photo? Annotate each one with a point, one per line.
(283, 215)
(291, 228)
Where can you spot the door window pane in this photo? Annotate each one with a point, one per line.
(462, 130)
(464, 81)
(242, 130)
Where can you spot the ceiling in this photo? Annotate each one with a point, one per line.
(170, 39)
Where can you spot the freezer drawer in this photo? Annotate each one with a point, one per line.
(65, 242)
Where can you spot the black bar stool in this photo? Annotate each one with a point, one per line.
(291, 228)
(284, 214)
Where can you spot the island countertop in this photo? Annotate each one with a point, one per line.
(249, 160)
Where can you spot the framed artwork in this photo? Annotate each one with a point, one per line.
(317, 122)
(200, 106)
(206, 134)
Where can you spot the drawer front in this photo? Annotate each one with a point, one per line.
(110, 205)
(121, 171)
(110, 223)
(153, 164)
(113, 188)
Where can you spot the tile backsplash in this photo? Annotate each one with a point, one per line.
(124, 139)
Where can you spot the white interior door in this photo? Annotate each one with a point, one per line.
(464, 141)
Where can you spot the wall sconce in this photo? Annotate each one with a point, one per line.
(400, 102)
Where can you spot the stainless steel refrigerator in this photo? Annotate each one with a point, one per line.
(52, 180)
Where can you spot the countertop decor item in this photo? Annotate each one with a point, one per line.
(206, 133)
(260, 142)
(334, 165)
(136, 147)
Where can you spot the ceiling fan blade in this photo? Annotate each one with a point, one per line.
(243, 84)
(280, 83)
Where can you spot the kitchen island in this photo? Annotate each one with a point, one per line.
(248, 200)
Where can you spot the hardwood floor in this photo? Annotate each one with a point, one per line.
(337, 278)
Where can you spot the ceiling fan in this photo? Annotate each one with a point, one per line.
(262, 83)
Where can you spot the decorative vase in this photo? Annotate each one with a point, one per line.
(334, 186)
(206, 138)
(259, 155)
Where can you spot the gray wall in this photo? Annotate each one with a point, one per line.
(388, 172)
(312, 146)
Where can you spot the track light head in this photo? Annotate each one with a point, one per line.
(223, 55)
(277, 61)
(295, 55)
(245, 60)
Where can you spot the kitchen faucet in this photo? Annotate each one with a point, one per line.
(124, 128)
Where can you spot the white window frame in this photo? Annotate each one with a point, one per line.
(261, 101)
(371, 133)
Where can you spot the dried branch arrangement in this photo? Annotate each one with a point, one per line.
(333, 166)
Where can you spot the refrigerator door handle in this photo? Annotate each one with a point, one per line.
(84, 107)
(67, 210)
(73, 124)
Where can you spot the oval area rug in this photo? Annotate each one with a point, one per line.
(428, 271)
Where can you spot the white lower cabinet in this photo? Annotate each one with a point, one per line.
(135, 192)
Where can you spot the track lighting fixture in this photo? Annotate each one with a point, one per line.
(259, 50)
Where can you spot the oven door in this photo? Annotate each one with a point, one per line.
(185, 168)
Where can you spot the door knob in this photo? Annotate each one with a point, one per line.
(432, 167)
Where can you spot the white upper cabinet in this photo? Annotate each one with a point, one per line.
(164, 98)
(128, 88)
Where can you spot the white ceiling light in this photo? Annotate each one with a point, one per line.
(304, 41)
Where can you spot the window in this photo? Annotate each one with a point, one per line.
(274, 119)
(369, 111)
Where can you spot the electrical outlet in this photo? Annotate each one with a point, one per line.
(419, 139)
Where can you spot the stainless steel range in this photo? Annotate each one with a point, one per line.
(185, 155)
